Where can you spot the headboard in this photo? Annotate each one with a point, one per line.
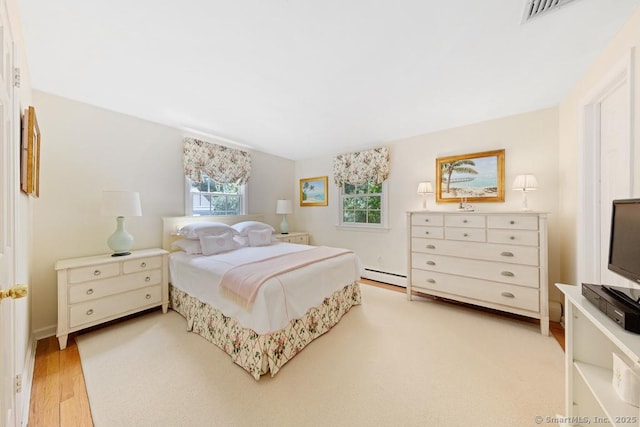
(171, 224)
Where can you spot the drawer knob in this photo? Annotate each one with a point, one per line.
(512, 237)
(96, 272)
(431, 246)
(148, 296)
(143, 264)
(465, 221)
(431, 263)
(90, 312)
(508, 295)
(426, 220)
(146, 279)
(512, 222)
(507, 273)
(465, 235)
(507, 254)
(431, 281)
(89, 291)
(426, 232)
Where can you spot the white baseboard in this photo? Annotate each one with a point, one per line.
(385, 277)
(27, 380)
(46, 332)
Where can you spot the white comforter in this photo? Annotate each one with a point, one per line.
(279, 300)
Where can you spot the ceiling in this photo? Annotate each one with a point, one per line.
(303, 78)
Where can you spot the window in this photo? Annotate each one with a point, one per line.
(213, 198)
(363, 205)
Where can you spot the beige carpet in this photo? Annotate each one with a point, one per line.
(389, 362)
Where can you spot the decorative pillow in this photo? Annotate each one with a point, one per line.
(197, 229)
(259, 237)
(192, 247)
(244, 227)
(218, 243)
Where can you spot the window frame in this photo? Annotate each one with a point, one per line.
(188, 199)
(384, 211)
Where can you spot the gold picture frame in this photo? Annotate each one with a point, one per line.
(475, 177)
(314, 191)
(30, 153)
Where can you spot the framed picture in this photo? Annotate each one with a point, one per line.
(314, 191)
(476, 177)
(30, 154)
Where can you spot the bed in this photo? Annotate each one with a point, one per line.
(308, 293)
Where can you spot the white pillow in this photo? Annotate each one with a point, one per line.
(218, 243)
(259, 237)
(197, 229)
(192, 247)
(244, 227)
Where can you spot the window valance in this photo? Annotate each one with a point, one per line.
(361, 166)
(220, 163)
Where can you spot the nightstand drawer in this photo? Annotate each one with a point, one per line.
(96, 310)
(98, 289)
(141, 264)
(95, 272)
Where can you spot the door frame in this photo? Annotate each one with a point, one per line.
(589, 171)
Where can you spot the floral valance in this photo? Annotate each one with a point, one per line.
(220, 163)
(361, 166)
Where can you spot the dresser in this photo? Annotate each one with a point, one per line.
(591, 340)
(293, 237)
(494, 260)
(96, 289)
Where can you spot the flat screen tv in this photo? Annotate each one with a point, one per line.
(624, 244)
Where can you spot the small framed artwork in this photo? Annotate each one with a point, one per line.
(475, 177)
(314, 191)
(30, 154)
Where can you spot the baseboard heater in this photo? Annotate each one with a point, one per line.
(385, 277)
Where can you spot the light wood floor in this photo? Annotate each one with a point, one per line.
(58, 393)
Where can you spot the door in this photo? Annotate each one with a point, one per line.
(10, 361)
(606, 168)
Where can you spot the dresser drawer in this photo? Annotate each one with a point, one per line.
(466, 234)
(482, 290)
(527, 255)
(513, 237)
(430, 232)
(519, 222)
(516, 274)
(140, 264)
(427, 219)
(94, 272)
(97, 310)
(476, 221)
(101, 288)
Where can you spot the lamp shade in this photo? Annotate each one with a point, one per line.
(284, 207)
(526, 182)
(425, 187)
(121, 203)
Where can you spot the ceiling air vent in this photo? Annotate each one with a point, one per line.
(535, 8)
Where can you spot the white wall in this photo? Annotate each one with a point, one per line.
(85, 150)
(531, 146)
(569, 139)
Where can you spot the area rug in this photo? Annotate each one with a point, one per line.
(389, 362)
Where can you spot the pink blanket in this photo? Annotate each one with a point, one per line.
(245, 280)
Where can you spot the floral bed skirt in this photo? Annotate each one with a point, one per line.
(260, 354)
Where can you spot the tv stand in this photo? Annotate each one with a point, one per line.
(591, 338)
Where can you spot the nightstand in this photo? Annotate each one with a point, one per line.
(97, 289)
(293, 237)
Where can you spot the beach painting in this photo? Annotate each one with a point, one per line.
(314, 191)
(475, 177)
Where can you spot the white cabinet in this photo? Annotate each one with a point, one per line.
(93, 290)
(591, 339)
(495, 260)
(293, 237)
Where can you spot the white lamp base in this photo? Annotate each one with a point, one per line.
(120, 242)
(284, 226)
